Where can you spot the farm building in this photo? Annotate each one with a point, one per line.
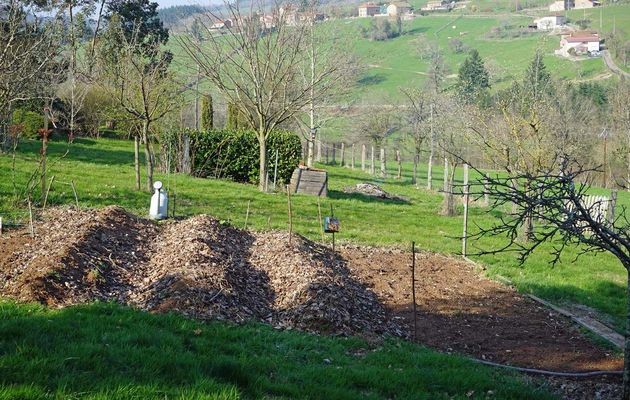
(438, 6)
(398, 9)
(563, 5)
(221, 24)
(579, 42)
(369, 9)
(550, 23)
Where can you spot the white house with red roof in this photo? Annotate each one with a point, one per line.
(581, 42)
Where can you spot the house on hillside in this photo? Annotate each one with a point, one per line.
(398, 9)
(442, 5)
(369, 10)
(579, 43)
(221, 24)
(550, 23)
(563, 5)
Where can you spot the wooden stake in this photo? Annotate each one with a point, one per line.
(321, 223)
(332, 214)
(383, 166)
(48, 191)
(74, 190)
(290, 215)
(413, 288)
(465, 235)
(0, 226)
(247, 214)
(30, 218)
(343, 154)
(363, 156)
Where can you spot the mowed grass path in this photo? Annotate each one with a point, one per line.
(103, 172)
(105, 351)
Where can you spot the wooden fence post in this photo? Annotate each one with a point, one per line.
(465, 235)
(319, 151)
(445, 175)
(343, 154)
(290, 214)
(363, 156)
(372, 166)
(383, 166)
(353, 160)
(611, 207)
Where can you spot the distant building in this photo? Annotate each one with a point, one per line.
(550, 23)
(563, 5)
(438, 6)
(398, 8)
(221, 24)
(369, 10)
(579, 42)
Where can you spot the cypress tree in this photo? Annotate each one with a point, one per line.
(537, 81)
(473, 78)
(231, 123)
(207, 113)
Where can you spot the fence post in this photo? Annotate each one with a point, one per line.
(465, 178)
(372, 166)
(353, 160)
(319, 151)
(363, 156)
(445, 175)
(465, 235)
(383, 166)
(611, 206)
(486, 191)
(343, 154)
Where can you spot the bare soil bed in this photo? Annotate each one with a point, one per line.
(203, 269)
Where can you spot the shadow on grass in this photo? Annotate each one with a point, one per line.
(83, 150)
(372, 79)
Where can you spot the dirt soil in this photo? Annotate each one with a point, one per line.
(207, 270)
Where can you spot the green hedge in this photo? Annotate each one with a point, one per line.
(235, 154)
(29, 121)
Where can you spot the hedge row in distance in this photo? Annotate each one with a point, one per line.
(235, 154)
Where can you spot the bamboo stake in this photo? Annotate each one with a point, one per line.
(48, 191)
(30, 217)
(247, 214)
(74, 190)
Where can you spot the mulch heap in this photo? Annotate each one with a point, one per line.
(197, 267)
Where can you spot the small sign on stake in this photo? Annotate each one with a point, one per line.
(331, 225)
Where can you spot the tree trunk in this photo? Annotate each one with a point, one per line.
(448, 207)
(136, 159)
(414, 178)
(319, 151)
(148, 154)
(44, 150)
(399, 160)
(430, 170)
(262, 175)
(343, 154)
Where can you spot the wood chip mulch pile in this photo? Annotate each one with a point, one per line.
(197, 267)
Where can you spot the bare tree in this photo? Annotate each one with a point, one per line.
(259, 64)
(419, 118)
(27, 46)
(557, 200)
(138, 78)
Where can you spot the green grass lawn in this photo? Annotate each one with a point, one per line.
(103, 172)
(106, 351)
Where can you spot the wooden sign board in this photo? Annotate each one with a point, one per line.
(309, 181)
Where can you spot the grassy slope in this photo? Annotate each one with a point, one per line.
(104, 351)
(103, 173)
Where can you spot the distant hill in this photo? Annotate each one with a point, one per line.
(174, 17)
